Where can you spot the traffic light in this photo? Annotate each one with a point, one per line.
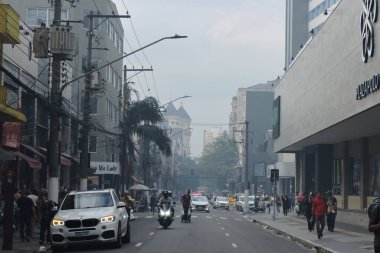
(274, 175)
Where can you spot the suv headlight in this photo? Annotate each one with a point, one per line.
(57, 222)
(106, 219)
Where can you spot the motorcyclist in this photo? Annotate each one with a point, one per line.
(186, 199)
(166, 199)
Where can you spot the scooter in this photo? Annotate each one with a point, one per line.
(186, 218)
(165, 215)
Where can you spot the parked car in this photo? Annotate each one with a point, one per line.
(88, 217)
(240, 203)
(199, 203)
(220, 202)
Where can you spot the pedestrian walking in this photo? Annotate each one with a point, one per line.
(285, 205)
(46, 215)
(319, 210)
(332, 206)
(152, 202)
(270, 202)
(308, 202)
(33, 195)
(374, 224)
(27, 212)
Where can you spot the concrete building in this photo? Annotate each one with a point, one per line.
(105, 111)
(326, 108)
(254, 104)
(319, 10)
(210, 135)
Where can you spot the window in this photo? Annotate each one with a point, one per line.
(120, 83)
(92, 141)
(36, 16)
(374, 176)
(115, 79)
(86, 21)
(93, 105)
(121, 44)
(355, 167)
(337, 176)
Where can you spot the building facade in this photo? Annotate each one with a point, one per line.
(106, 87)
(326, 111)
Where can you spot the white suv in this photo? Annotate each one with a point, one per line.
(90, 216)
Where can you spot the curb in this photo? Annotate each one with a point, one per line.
(306, 243)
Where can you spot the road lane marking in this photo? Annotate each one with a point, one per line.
(149, 217)
(151, 233)
(223, 218)
(234, 245)
(139, 244)
(194, 216)
(219, 223)
(208, 217)
(177, 216)
(227, 234)
(237, 219)
(222, 228)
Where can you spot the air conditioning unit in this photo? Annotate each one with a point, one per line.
(63, 41)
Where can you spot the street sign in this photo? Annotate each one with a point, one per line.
(274, 175)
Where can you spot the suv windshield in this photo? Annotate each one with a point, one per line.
(87, 200)
(199, 198)
(221, 199)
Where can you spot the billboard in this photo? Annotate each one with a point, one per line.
(109, 168)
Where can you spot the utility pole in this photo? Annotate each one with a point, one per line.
(246, 181)
(126, 171)
(55, 96)
(84, 158)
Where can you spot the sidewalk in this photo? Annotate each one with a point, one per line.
(22, 247)
(346, 238)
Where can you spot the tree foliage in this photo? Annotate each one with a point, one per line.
(218, 161)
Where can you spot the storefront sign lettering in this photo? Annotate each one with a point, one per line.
(105, 168)
(368, 87)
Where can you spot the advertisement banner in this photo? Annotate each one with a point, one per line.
(11, 134)
(109, 168)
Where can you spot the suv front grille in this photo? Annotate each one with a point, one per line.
(73, 223)
(90, 222)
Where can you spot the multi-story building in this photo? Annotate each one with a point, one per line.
(210, 135)
(327, 107)
(177, 123)
(254, 104)
(104, 103)
(303, 20)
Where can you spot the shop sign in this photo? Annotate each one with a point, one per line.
(368, 87)
(367, 19)
(11, 134)
(111, 168)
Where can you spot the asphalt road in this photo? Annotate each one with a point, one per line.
(218, 231)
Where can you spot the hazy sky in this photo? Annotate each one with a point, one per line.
(232, 44)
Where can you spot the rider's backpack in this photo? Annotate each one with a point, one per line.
(375, 203)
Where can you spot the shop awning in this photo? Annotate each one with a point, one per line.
(35, 151)
(34, 164)
(63, 161)
(6, 155)
(8, 114)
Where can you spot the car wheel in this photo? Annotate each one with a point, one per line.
(118, 242)
(127, 236)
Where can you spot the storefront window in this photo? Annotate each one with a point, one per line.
(355, 176)
(374, 176)
(337, 176)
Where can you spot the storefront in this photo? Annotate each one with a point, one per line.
(328, 108)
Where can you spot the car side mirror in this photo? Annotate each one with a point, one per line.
(121, 205)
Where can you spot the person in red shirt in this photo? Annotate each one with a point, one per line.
(319, 209)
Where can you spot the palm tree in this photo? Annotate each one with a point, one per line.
(141, 118)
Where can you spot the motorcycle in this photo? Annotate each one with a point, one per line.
(165, 215)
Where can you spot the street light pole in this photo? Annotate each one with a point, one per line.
(246, 181)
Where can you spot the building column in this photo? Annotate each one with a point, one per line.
(302, 172)
(297, 185)
(364, 173)
(345, 174)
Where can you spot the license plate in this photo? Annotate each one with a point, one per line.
(82, 233)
